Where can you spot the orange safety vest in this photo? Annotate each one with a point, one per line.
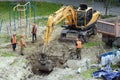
(79, 44)
(14, 40)
(22, 42)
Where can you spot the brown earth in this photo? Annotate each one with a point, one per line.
(59, 52)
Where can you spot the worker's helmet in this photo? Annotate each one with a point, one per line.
(22, 35)
(77, 39)
(14, 34)
(33, 24)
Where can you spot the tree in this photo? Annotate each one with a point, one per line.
(107, 5)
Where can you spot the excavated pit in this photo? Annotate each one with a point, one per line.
(58, 61)
(58, 52)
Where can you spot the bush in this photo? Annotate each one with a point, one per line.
(107, 16)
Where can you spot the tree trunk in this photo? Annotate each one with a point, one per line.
(106, 11)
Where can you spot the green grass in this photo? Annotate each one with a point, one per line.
(68, 77)
(5, 38)
(45, 8)
(3, 9)
(42, 21)
(114, 66)
(8, 54)
(18, 37)
(91, 44)
(24, 60)
(107, 16)
(42, 9)
(87, 74)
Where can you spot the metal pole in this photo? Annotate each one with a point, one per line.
(34, 9)
(29, 17)
(26, 18)
(14, 21)
(1, 25)
(20, 21)
(9, 13)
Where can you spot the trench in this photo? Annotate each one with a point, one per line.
(58, 54)
(58, 61)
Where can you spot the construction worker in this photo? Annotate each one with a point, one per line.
(22, 44)
(34, 30)
(13, 41)
(78, 48)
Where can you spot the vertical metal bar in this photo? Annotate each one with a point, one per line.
(26, 18)
(1, 25)
(17, 19)
(29, 16)
(20, 20)
(34, 14)
(14, 21)
(34, 9)
(9, 7)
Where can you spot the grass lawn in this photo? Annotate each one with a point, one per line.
(45, 8)
(88, 74)
(42, 9)
(91, 44)
(8, 54)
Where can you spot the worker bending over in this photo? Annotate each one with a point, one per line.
(22, 44)
(13, 41)
(78, 48)
(34, 30)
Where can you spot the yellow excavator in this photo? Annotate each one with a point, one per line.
(79, 21)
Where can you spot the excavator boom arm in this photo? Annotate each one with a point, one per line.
(66, 12)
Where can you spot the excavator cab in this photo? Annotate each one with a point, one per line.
(89, 14)
(80, 18)
(84, 15)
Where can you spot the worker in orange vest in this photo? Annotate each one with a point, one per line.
(22, 44)
(13, 41)
(34, 30)
(78, 48)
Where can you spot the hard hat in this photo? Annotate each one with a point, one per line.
(33, 24)
(77, 39)
(22, 35)
(14, 34)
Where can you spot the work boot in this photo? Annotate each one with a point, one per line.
(14, 50)
(78, 57)
(22, 54)
(32, 41)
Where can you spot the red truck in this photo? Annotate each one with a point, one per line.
(110, 29)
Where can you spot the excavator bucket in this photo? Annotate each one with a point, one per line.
(45, 65)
